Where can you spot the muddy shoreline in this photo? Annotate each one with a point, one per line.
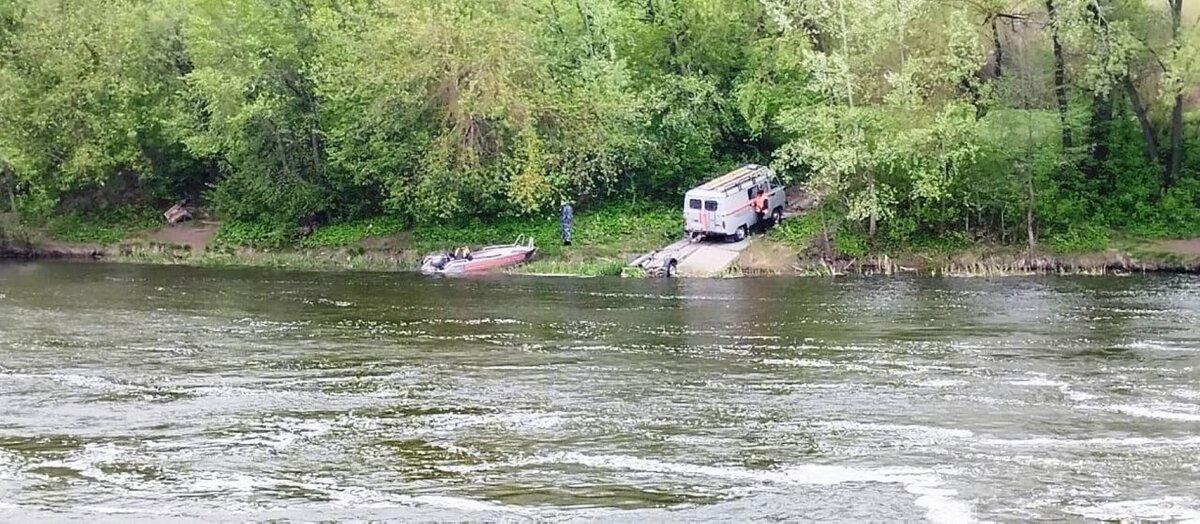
(30, 252)
(964, 264)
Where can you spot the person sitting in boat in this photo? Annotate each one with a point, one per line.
(466, 252)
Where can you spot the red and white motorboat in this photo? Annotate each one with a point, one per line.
(485, 259)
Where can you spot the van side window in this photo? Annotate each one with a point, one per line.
(710, 205)
(750, 193)
(694, 203)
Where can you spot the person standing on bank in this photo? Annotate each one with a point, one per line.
(564, 222)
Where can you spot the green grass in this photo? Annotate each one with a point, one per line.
(949, 242)
(850, 243)
(609, 231)
(797, 232)
(591, 268)
(239, 233)
(12, 231)
(284, 260)
(606, 231)
(602, 240)
(1079, 238)
(105, 229)
(348, 233)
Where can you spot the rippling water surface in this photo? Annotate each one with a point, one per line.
(164, 393)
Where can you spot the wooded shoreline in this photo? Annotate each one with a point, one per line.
(1002, 261)
(1055, 123)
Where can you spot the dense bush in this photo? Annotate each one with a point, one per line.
(484, 114)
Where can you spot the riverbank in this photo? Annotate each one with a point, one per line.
(604, 242)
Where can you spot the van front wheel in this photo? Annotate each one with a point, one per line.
(740, 234)
(777, 217)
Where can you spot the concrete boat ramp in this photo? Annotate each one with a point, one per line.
(694, 259)
(708, 259)
(711, 258)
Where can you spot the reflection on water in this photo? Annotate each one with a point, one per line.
(159, 393)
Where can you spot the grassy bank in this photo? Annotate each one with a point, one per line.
(604, 240)
(1083, 250)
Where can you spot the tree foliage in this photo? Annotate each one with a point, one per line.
(980, 118)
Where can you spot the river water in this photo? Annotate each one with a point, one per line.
(143, 393)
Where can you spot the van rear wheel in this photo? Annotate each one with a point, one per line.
(740, 234)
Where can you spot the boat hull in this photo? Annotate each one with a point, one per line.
(482, 261)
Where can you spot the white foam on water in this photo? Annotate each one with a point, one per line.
(442, 501)
(87, 460)
(472, 321)
(798, 362)
(1154, 345)
(1038, 382)
(230, 483)
(1189, 394)
(8, 465)
(1136, 442)
(1174, 509)
(661, 297)
(754, 337)
(927, 432)
(163, 349)
(1079, 396)
(937, 500)
(517, 421)
(90, 382)
(939, 383)
(291, 431)
(1157, 411)
(110, 510)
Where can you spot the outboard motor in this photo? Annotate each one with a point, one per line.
(434, 263)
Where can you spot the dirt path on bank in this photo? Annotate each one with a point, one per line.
(1187, 247)
(195, 235)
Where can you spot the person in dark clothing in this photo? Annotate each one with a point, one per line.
(564, 222)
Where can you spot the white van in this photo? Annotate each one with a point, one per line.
(724, 206)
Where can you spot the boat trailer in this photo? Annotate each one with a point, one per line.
(660, 263)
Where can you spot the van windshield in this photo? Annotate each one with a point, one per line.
(694, 203)
(710, 205)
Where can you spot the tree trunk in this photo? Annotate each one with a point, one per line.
(10, 182)
(1029, 214)
(586, 18)
(1176, 161)
(1102, 109)
(1060, 82)
(997, 69)
(846, 49)
(825, 251)
(279, 150)
(1139, 109)
(1003, 231)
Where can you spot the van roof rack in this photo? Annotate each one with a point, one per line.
(732, 178)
